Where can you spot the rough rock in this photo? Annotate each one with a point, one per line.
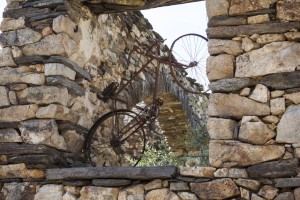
(9, 24)
(18, 113)
(12, 76)
(240, 7)
(216, 46)
(277, 106)
(294, 97)
(217, 189)
(225, 133)
(254, 131)
(217, 8)
(19, 171)
(233, 105)
(58, 112)
(231, 85)
(4, 100)
(289, 126)
(268, 192)
(59, 44)
(245, 194)
(241, 154)
(292, 36)
(15, 190)
(258, 19)
(197, 171)
(248, 44)
(248, 183)
(92, 192)
(135, 192)
(50, 192)
(285, 196)
(19, 37)
(9, 135)
(179, 186)
(288, 10)
(231, 173)
(74, 141)
(220, 67)
(282, 81)
(226, 21)
(287, 182)
(111, 182)
(62, 24)
(155, 184)
(161, 194)
(268, 38)
(274, 169)
(12, 97)
(187, 196)
(256, 197)
(73, 87)
(260, 93)
(271, 119)
(60, 70)
(277, 93)
(42, 132)
(297, 193)
(6, 57)
(245, 92)
(44, 95)
(272, 58)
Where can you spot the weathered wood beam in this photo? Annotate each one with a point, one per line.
(132, 173)
(104, 7)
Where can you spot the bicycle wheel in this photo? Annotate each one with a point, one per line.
(116, 139)
(188, 55)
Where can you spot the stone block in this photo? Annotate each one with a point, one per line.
(111, 182)
(19, 37)
(6, 58)
(16, 76)
(292, 36)
(233, 105)
(248, 45)
(62, 24)
(271, 119)
(294, 97)
(241, 7)
(44, 95)
(4, 100)
(217, 46)
(10, 135)
(272, 58)
(18, 113)
(13, 97)
(9, 24)
(216, 189)
(277, 106)
(285, 196)
(268, 38)
(231, 85)
(256, 197)
(42, 132)
(248, 183)
(220, 67)
(20, 171)
(260, 93)
(268, 192)
(217, 8)
(155, 184)
(297, 193)
(241, 154)
(187, 196)
(50, 192)
(282, 81)
(74, 140)
(197, 171)
(179, 186)
(254, 131)
(277, 93)
(60, 70)
(224, 133)
(288, 10)
(258, 19)
(231, 173)
(245, 92)
(288, 127)
(287, 182)
(162, 194)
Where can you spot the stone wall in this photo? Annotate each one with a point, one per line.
(254, 74)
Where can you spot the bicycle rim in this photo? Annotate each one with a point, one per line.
(116, 139)
(188, 55)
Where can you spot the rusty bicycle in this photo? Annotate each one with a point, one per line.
(118, 137)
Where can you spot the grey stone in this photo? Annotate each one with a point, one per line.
(272, 58)
(24, 12)
(60, 70)
(224, 133)
(16, 76)
(187, 196)
(277, 106)
(19, 37)
(18, 113)
(217, 46)
(282, 81)
(44, 95)
(241, 154)
(50, 192)
(74, 140)
(42, 132)
(231, 85)
(43, 4)
(71, 85)
(6, 58)
(233, 105)
(285, 196)
(245, 194)
(111, 182)
(289, 126)
(4, 100)
(217, 189)
(256, 197)
(231, 173)
(9, 24)
(287, 182)
(9, 135)
(226, 21)
(274, 169)
(179, 186)
(248, 183)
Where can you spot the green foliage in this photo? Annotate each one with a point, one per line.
(198, 139)
(159, 156)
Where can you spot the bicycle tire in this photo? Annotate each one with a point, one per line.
(187, 55)
(101, 147)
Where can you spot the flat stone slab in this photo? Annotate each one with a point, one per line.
(131, 173)
(21, 149)
(230, 85)
(111, 182)
(287, 182)
(282, 81)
